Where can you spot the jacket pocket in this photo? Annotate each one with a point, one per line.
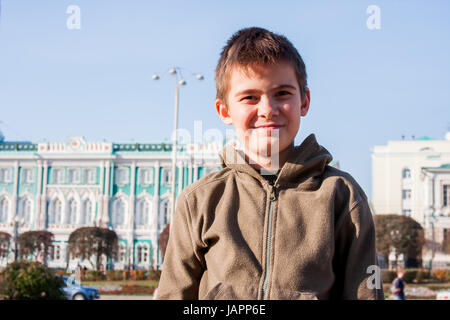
(213, 292)
(303, 296)
(280, 294)
(222, 291)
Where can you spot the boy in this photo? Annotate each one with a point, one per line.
(276, 222)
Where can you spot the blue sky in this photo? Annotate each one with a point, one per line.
(367, 86)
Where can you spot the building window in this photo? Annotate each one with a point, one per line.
(55, 212)
(54, 252)
(145, 176)
(121, 176)
(446, 198)
(142, 253)
(143, 212)
(164, 213)
(50, 253)
(4, 250)
(74, 176)
(72, 210)
(58, 176)
(90, 176)
(86, 217)
(122, 253)
(25, 209)
(5, 175)
(4, 210)
(406, 194)
(406, 212)
(166, 176)
(406, 173)
(118, 214)
(27, 176)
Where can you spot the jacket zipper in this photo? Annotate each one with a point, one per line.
(268, 243)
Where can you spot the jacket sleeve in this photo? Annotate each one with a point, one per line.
(182, 268)
(355, 263)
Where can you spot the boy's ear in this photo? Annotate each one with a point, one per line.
(222, 111)
(305, 103)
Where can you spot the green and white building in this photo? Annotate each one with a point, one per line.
(61, 186)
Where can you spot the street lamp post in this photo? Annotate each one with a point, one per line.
(175, 71)
(15, 224)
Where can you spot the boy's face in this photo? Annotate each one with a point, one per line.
(264, 104)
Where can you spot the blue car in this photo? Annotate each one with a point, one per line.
(76, 291)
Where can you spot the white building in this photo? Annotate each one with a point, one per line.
(412, 177)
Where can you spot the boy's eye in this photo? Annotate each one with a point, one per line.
(283, 93)
(248, 98)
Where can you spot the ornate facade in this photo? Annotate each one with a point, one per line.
(61, 186)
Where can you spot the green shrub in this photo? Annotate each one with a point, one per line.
(440, 275)
(93, 275)
(422, 275)
(27, 280)
(154, 275)
(387, 276)
(61, 272)
(410, 275)
(114, 275)
(141, 274)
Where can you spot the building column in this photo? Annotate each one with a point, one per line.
(104, 214)
(190, 172)
(38, 219)
(101, 197)
(44, 195)
(437, 195)
(15, 189)
(180, 178)
(195, 172)
(155, 245)
(131, 210)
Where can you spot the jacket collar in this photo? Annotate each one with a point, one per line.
(306, 160)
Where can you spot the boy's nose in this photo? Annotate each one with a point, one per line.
(267, 108)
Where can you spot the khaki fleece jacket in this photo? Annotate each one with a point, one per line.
(234, 236)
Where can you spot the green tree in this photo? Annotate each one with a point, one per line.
(35, 243)
(92, 243)
(28, 280)
(401, 233)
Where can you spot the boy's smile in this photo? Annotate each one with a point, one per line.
(264, 104)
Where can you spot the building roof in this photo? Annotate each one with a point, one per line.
(425, 138)
(444, 166)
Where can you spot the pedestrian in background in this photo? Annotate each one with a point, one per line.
(398, 286)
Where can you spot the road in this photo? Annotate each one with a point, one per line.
(124, 297)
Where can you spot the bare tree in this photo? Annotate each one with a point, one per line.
(92, 243)
(35, 243)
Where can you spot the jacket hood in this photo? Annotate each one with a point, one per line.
(306, 160)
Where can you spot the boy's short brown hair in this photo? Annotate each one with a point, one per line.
(254, 45)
